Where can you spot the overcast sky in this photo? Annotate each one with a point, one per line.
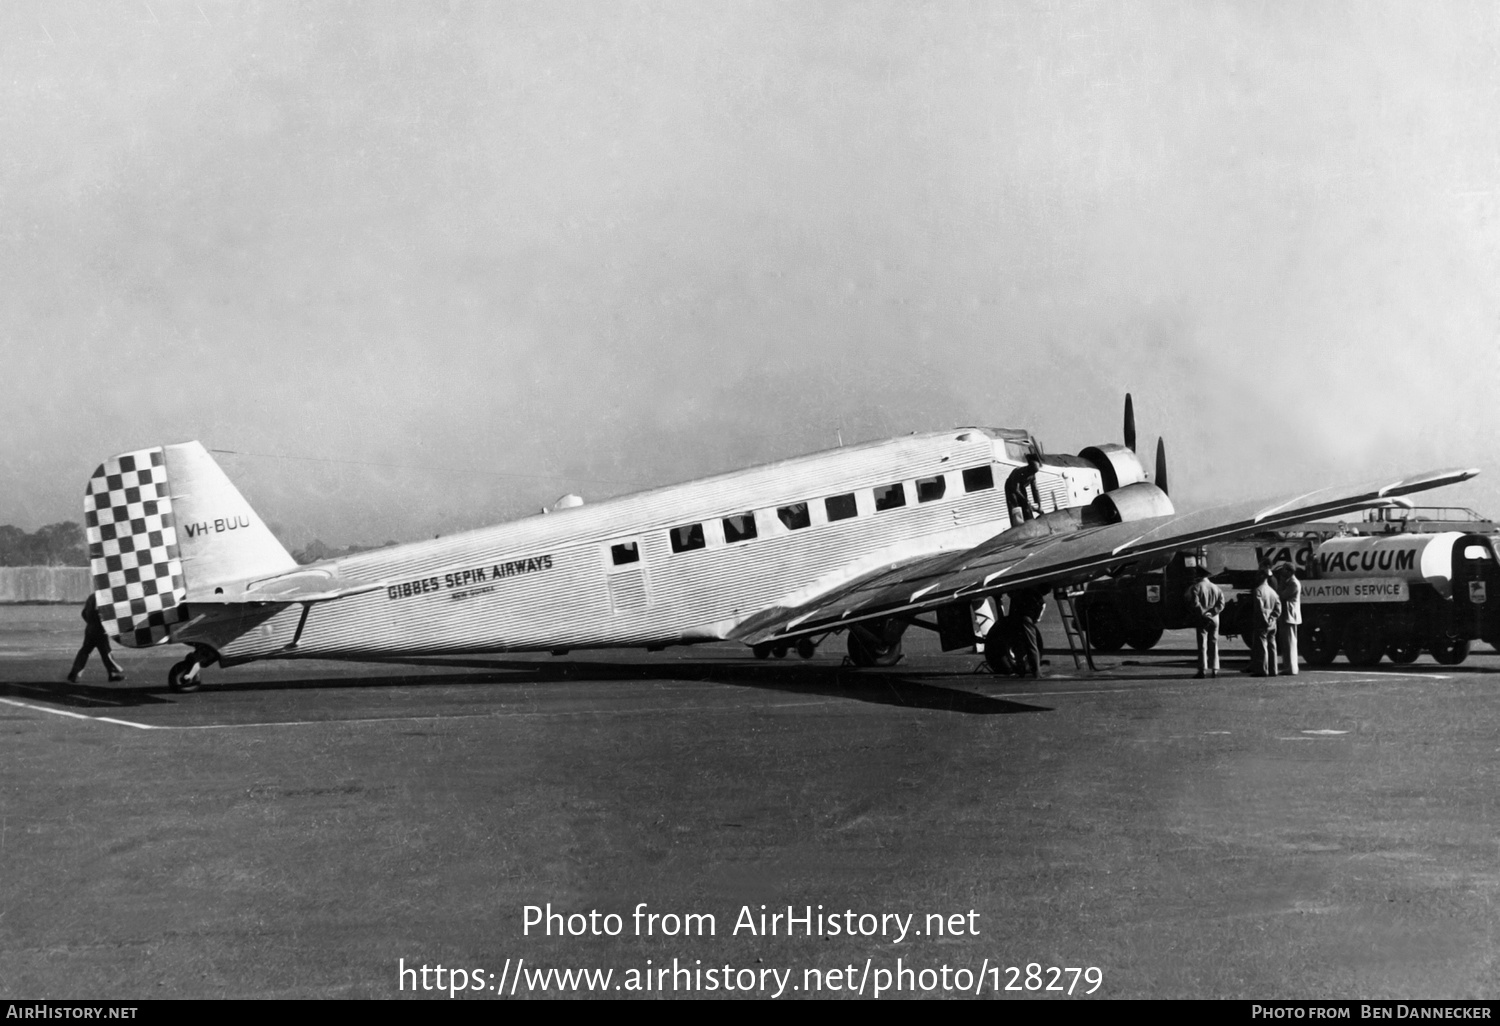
(614, 245)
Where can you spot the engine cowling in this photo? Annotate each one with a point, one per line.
(1139, 501)
(1117, 465)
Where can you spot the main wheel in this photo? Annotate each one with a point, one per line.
(1363, 643)
(779, 651)
(761, 651)
(1143, 639)
(869, 648)
(1319, 643)
(1449, 651)
(806, 648)
(1105, 632)
(184, 676)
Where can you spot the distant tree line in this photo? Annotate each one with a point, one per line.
(64, 544)
(54, 545)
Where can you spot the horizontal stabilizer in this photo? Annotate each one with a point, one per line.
(306, 584)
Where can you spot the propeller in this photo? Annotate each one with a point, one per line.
(1161, 464)
(1129, 423)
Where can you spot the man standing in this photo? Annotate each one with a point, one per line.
(1021, 496)
(1289, 589)
(94, 637)
(1206, 602)
(1265, 609)
(1027, 607)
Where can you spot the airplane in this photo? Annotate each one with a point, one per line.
(859, 540)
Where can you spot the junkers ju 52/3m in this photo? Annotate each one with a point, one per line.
(859, 540)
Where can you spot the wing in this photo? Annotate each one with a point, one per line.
(1004, 563)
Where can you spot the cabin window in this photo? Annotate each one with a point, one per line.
(625, 552)
(977, 479)
(740, 527)
(795, 517)
(930, 489)
(840, 507)
(687, 538)
(890, 497)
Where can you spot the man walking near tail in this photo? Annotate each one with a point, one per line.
(94, 637)
(1206, 602)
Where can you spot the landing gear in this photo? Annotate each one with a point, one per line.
(761, 651)
(184, 676)
(876, 644)
(807, 648)
(1449, 651)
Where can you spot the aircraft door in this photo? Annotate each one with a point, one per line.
(1476, 589)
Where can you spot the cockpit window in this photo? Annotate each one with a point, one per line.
(976, 479)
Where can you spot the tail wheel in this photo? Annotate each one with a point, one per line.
(1143, 639)
(1363, 643)
(806, 648)
(184, 676)
(1319, 643)
(1449, 651)
(875, 647)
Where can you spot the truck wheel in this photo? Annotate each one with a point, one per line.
(1450, 651)
(1319, 643)
(1106, 635)
(1363, 644)
(1404, 650)
(1143, 639)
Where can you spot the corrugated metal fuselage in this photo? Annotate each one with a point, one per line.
(552, 582)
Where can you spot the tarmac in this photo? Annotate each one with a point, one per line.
(318, 829)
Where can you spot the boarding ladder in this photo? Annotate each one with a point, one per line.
(1078, 639)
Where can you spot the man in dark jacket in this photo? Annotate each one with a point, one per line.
(94, 637)
(1027, 606)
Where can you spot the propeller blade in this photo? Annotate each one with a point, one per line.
(1161, 464)
(1129, 423)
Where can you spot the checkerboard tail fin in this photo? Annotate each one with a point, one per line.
(133, 551)
(161, 520)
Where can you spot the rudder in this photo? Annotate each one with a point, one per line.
(161, 521)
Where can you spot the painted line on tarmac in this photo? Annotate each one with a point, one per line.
(82, 716)
(397, 719)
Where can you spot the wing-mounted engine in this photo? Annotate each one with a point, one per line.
(1118, 466)
(1139, 501)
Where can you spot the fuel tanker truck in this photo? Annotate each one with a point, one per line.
(1367, 596)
